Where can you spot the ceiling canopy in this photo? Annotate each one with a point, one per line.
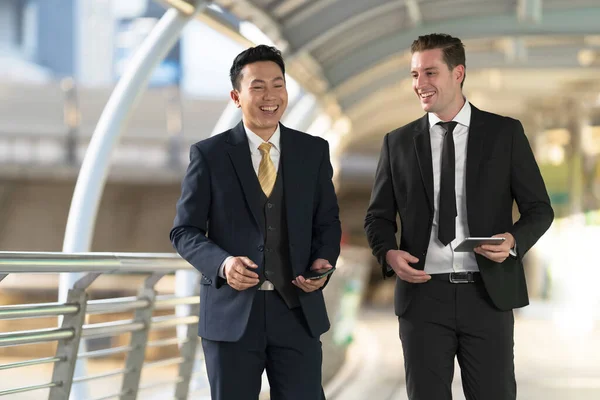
(355, 53)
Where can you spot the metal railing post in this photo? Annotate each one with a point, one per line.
(138, 341)
(188, 352)
(68, 348)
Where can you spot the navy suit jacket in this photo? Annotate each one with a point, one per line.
(218, 216)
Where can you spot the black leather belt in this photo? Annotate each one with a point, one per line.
(458, 277)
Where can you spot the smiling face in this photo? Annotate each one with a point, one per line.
(262, 96)
(436, 85)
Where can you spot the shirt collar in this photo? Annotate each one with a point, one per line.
(463, 117)
(254, 140)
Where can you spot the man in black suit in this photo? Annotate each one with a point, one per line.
(257, 211)
(452, 174)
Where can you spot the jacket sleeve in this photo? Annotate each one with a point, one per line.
(326, 226)
(380, 221)
(529, 191)
(188, 235)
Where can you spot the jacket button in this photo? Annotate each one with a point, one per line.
(269, 205)
(261, 248)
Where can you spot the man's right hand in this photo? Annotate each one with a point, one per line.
(399, 259)
(238, 275)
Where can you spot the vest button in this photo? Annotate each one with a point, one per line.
(269, 205)
(270, 228)
(260, 248)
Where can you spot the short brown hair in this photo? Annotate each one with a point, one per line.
(452, 48)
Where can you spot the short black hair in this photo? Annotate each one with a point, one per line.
(452, 48)
(254, 54)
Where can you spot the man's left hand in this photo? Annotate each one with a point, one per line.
(310, 285)
(497, 252)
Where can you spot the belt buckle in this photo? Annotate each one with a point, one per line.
(266, 285)
(461, 277)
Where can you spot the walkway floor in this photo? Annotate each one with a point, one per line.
(549, 365)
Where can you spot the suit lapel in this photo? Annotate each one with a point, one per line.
(474, 154)
(242, 163)
(423, 149)
(291, 160)
(293, 157)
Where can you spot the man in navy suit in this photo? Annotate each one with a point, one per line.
(257, 211)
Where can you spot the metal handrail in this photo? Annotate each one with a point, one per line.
(137, 327)
(105, 352)
(115, 305)
(111, 263)
(37, 310)
(170, 301)
(28, 388)
(28, 363)
(113, 328)
(171, 321)
(34, 336)
(120, 304)
(77, 306)
(103, 375)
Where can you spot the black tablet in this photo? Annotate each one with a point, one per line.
(318, 274)
(471, 242)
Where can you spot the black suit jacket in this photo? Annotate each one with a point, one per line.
(218, 216)
(500, 169)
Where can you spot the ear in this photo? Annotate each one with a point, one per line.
(459, 73)
(235, 96)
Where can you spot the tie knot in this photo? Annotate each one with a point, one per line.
(265, 148)
(448, 126)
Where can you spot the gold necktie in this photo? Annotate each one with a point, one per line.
(266, 169)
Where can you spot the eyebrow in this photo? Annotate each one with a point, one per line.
(262, 81)
(415, 71)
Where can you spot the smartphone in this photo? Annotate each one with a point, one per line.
(471, 242)
(317, 274)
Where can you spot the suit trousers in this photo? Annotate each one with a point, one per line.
(446, 320)
(276, 339)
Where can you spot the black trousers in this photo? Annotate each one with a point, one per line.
(276, 339)
(445, 320)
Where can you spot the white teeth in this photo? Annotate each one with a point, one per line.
(270, 109)
(428, 94)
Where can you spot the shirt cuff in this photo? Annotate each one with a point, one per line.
(513, 251)
(222, 267)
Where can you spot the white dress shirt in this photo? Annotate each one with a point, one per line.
(442, 259)
(254, 141)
